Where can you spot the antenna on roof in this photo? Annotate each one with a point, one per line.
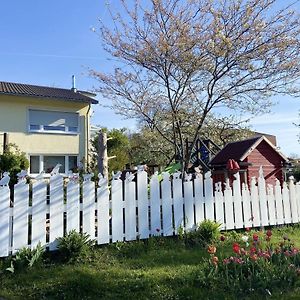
(73, 84)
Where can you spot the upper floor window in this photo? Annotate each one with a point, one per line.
(53, 121)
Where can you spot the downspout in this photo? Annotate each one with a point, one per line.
(87, 134)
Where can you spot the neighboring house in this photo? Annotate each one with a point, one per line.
(246, 157)
(51, 125)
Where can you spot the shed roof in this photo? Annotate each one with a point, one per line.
(21, 89)
(240, 150)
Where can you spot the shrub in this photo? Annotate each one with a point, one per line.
(74, 246)
(25, 258)
(13, 161)
(207, 232)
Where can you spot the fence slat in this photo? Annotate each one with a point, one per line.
(73, 215)
(246, 206)
(20, 218)
(4, 220)
(56, 210)
(88, 216)
(130, 211)
(189, 205)
(199, 198)
(228, 207)
(237, 200)
(271, 205)
(286, 204)
(278, 203)
(209, 197)
(298, 197)
(117, 210)
(255, 203)
(103, 212)
(219, 205)
(143, 204)
(178, 201)
(166, 205)
(155, 205)
(262, 193)
(39, 206)
(293, 201)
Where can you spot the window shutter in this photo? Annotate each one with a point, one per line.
(53, 118)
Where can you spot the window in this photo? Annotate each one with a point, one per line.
(34, 164)
(53, 121)
(46, 163)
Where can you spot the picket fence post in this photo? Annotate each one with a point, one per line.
(237, 201)
(188, 203)
(271, 204)
(130, 208)
(103, 215)
(166, 205)
(178, 202)
(4, 220)
(278, 203)
(219, 205)
(143, 203)
(73, 211)
(248, 222)
(39, 208)
(286, 204)
(199, 198)
(20, 217)
(56, 210)
(117, 209)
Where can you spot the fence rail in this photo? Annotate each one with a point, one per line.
(137, 207)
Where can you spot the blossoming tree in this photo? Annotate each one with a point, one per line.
(177, 62)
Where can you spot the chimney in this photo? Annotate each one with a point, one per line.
(73, 84)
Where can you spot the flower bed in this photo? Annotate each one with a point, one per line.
(255, 263)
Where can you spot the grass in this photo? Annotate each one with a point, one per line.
(161, 268)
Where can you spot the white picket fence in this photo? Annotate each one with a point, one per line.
(127, 210)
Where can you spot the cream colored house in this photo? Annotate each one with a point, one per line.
(51, 125)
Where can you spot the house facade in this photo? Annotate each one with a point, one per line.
(51, 125)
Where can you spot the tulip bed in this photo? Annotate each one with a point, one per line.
(248, 264)
(257, 263)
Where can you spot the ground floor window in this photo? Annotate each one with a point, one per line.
(46, 163)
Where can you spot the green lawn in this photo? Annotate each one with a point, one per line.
(158, 269)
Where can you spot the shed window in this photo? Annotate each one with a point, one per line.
(53, 121)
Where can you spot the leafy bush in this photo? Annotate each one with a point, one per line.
(13, 161)
(25, 258)
(207, 232)
(74, 246)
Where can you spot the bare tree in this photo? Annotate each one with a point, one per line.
(179, 61)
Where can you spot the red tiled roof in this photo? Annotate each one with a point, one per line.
(20, 89)
(234, 150)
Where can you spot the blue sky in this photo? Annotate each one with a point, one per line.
(46, 42)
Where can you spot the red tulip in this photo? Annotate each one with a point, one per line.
(255, 237)
(236, 248)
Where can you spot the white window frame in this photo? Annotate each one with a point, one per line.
(41, 163)
(41, 129)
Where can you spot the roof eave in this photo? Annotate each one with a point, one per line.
(92, 101)
(257, 143)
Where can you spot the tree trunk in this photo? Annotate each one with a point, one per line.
(102, 154)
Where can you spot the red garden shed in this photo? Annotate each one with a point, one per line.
(246, 157)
